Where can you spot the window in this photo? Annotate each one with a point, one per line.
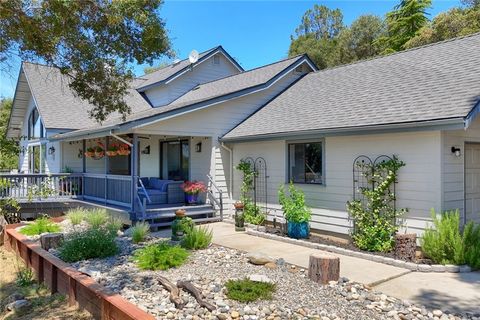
(305, 162)
(35, 126)
(36, 158)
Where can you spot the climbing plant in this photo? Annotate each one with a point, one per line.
(251, 212)
(376, 218)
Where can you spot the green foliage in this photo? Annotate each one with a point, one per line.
(471, 244)
(197, 238)
(455, 22)
(404, 23)
(92, 42)
(96, 217)
(140, 231)
(89, 244)
(186, 224)
(24, 277)
(251, 213)
(8, 147)
(248, 291)
(39, 226)
(151, 69)
(76, 216)
(375, 219)
(160, 256)
(293, 204)
(444, 242)
(114, 224)
(9, 207)
(45, 190)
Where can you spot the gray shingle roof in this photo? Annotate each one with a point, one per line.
(217, 88)
(59, 107)
(438, 81)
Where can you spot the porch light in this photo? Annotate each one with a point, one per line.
(198, 147)
(51, 150)
(456, 151)
(146, 150)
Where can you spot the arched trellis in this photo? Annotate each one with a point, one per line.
(258, 194)
(363, 171)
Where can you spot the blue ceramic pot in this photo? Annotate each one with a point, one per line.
(298, 230)
(191, 198)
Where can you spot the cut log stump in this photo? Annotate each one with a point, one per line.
(51, 240)
(323, 268)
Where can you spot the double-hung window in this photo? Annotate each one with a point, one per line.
(305, 162)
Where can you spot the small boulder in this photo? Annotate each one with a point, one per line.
(259, 278)
(259, 258)
(271, 265)
(18, 304)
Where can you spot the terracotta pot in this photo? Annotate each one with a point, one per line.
(239, 205)
(180, 213)
(111, 153)
(89, 154)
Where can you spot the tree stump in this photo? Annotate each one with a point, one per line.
(323, 268)
(51, 241)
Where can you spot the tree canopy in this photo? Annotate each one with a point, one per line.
(92, 42)
(323, 36)
(8, 147)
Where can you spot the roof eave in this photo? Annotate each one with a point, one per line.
(438, 124)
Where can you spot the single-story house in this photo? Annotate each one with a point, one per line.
(198, 121)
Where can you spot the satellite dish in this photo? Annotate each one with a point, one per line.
(193, 56)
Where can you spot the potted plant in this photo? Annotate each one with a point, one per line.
(90, 152)
(192, 189)
(123, 150)
(239, 217)
(296, 212)
(112, 150)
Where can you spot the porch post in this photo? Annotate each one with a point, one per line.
(134, 173)
(84, 166)
(106, 169)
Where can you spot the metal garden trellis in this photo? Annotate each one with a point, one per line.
(259, 190)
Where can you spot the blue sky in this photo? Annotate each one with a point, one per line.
(254, 32)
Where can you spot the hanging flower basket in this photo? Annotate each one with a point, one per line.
(123, 150)
(111, 153)
(90, 153)
(112, 150)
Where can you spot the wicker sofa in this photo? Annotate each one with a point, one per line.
(161, 191)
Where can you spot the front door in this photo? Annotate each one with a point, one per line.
(175, 160)
(472, 182)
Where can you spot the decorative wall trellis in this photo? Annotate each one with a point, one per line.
(363, 170)
(259, 191)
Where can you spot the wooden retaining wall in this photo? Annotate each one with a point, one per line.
(80, 288)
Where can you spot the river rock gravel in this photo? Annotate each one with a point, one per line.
(296, 297)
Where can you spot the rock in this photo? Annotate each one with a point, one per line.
(260, 278)
(465, 268)
(222, 316)
(259, 258)
(271, 265)
(51, 240)
(437, 313)
(235, 314)
(170, 315)
(18, 304)
(280, 262)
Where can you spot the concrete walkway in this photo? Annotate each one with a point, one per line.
(455, 292)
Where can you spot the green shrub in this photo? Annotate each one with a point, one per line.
(89, 244)
(471, 244)
(186, 224)
(140, 231)
(96, 217)
(197, 238)
(248, 291)
(252, 213)
(76, 216)
(160, 256)
(39, 226)
(24, 277)
(293, 205)
(375, 219)
(443, 242)
(114, 224)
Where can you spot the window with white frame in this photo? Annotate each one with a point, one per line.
(35, 126)
(305, 162)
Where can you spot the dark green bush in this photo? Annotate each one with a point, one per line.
(247, 290)
(39, 226)
(93, 243)
(160, 256)
(197, 238)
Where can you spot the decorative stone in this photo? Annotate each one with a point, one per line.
(452, 268)
(464, 269)
(235, 314)
(18, 304)
(51, 241)
(437, 313)
(411, 266)
(271, 265)
(424, 268)
(259, 258)
(259, 278)
(438, 268)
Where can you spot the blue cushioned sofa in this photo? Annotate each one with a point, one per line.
(162, 191)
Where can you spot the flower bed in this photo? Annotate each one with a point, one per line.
(354, 252)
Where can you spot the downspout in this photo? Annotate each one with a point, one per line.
(230, 191)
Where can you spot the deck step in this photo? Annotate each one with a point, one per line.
(200, 220)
